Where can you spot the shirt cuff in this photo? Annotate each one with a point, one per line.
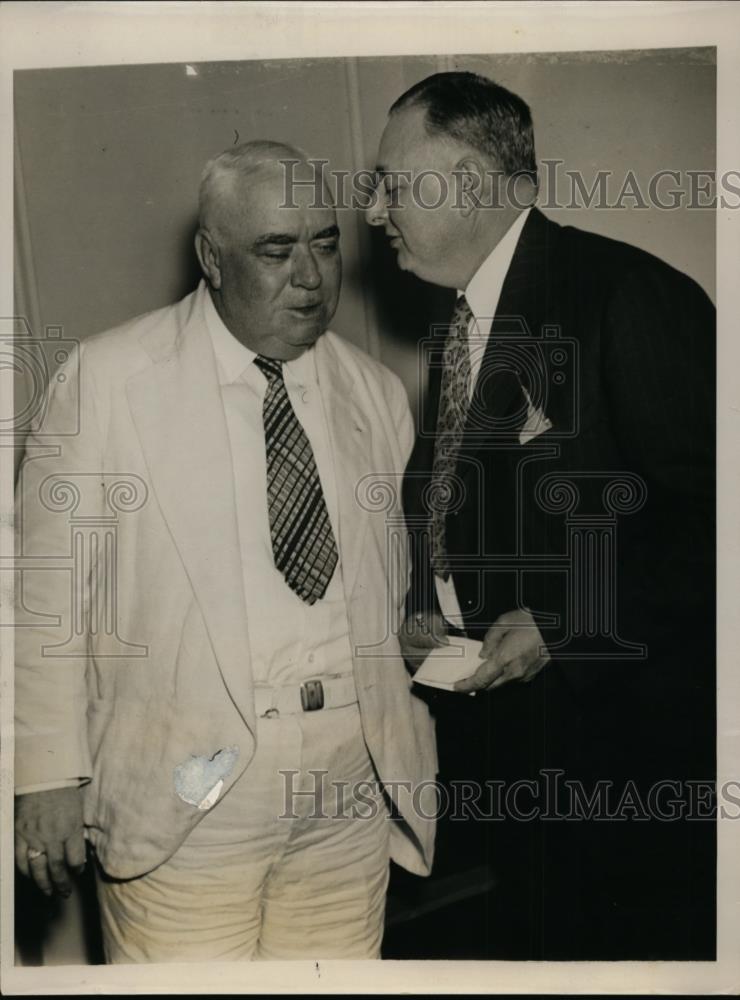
(448, 601)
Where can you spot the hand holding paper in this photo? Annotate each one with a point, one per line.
(445, 665)
(513, 650)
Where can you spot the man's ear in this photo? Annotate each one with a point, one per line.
(209, 257)
(471, 179)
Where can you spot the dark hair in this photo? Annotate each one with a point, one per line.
(479, 112)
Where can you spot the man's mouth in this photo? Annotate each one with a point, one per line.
(309, 311)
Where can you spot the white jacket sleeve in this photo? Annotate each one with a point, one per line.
(60, 476)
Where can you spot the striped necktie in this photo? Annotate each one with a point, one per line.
(303, 543)
(454, 402)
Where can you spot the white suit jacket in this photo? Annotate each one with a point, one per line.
(132, 641)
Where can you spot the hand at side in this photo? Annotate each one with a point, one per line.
(49, 837)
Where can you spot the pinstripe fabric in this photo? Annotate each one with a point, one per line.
(454, 402)
(303, 543)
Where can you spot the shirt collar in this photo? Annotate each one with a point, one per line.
(492, 272)
(233, 358)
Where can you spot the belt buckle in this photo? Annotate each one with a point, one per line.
(312, 696)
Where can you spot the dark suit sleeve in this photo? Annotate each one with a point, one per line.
(658, 383)
(659, 378)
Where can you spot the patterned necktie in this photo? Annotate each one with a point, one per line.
(303, 543)
(454, 402)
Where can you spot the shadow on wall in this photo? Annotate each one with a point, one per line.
(58, 931)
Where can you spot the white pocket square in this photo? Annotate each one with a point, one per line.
(536, 423)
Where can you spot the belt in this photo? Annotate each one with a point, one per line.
(310, 696)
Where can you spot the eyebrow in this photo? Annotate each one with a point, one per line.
(328, 233)
(287, 239)
(381, 172)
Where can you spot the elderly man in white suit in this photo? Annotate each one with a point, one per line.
(236, 761)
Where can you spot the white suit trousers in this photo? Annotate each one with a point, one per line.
(290, 865)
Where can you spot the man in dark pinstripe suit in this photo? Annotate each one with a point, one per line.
(572, 533)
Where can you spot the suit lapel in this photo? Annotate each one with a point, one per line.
(176, 406)
(349, 433)
(498, 407)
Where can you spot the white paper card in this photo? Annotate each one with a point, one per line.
(448, 664)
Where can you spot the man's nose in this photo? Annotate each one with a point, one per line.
(376, 214)
(305, 273)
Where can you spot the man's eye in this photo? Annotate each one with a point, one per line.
(276, 254)
(327, 248)
(393, 194)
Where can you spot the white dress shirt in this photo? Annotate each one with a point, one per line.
(482, 293)
(290, 641)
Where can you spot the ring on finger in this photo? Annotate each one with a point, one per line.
(32, 854)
